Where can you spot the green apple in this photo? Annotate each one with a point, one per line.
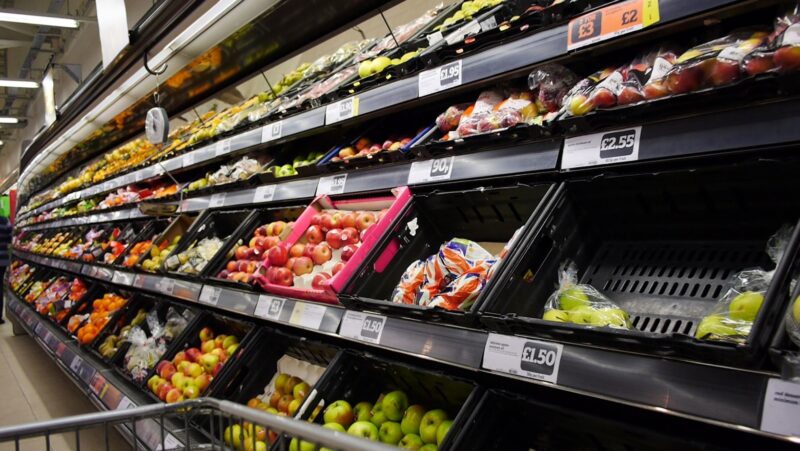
(394, 404)
(745, 306)
(411, 419)
(390, 432)
(300, 445)
(411, 441)
(365, 69)
(429, 447)
(714, 325)
(441, 431)
(380, 63)
(796, 310)
(362, 411)
(378, 418)
(613, 317)
(559, 316)
(582, 315)
(572, 298)
(233, 436)
(364, 429)
(335, 427)
(339, 412)
(430, 423)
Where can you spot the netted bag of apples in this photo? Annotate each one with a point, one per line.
(582, 304)
(732, 316)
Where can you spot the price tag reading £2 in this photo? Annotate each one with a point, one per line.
(431, 170)
(523, 357)
(601, 148)
(362, 326)
(439, 79)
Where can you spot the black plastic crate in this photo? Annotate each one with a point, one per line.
(180, 225)
(88, 300)
(782, 346)
(358, 376)
(150, 231)
(69, 303)
(484, 215)
(663, 247)
(224, 225)
(127, 233)
(245, 330)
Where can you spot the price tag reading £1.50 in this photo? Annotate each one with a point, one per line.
(366, 327)
(523, 357)
(439, 79)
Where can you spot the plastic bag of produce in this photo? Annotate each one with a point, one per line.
(597, 90)
(781, 51)
(553, 82)
(472, 116)
(448, 121)
(732, 316)
(582, 304)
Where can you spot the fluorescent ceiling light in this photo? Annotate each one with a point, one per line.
(38, 19)
(8, 120)
(18, 83)
(1, 143)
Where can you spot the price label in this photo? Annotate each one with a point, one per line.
(307, 315)
(122, 278)
(362, 326)
(434, 38)
(601, 148)
(488, 24)
(223, 147)
(333, 184)
(473, 27)
(271, 132)
(611, 21)
(189, 159)
(264, 194)
(431, 170)
(125, 403)
(439, 79)
(217, 200)
(341, 110)
(210, 295)
(781, 408)
(138, 281)
(166, 285)
(76, 363)
(523, 357)
(269, 307)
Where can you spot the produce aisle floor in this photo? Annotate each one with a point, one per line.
(33, 388)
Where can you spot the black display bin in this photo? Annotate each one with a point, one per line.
(245, 330)
(178, 225)
(71, 307)
(129, 233)
(42, 274)
(97, 292)
(359, 376)
(782, 344)
(664, 247)
(150, 231)
(480, 215)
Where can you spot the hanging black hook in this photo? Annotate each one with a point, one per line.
(151, 71)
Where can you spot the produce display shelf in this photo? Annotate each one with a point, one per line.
(500, 60)
(723, 395)
(104, 387)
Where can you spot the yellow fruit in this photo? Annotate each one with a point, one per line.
(556, 315)
(379, 64)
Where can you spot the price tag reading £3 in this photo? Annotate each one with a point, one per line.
(264, 194)
(523, 357)
(439, 79)
(362, 326)
(612, 21)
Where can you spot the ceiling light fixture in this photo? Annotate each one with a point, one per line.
(37, 19)
(18, 83)
(8, 120)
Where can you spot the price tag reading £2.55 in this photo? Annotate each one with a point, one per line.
(431, 170)
(362, 326)
(523, 357)
(601, 148)
(439, 79)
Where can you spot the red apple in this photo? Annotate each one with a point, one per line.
(334, 238)
(297, 250)
(231, 266)
(207, 346)
(252, 242)
(316, 219)
(375, 148)
(347, 252)
(319, 279)
(224, 274)
(629, 95)
(603, 98)
(686, 79)
(284, 277)
(724, 72)
(221, 354)
(167, 371)
(322, 253)
(283, 403)
(241, 265)
(290, 263)
(180, 356)
(272, 273)
(350, 236)
(303, 265)
(349, 220)
(364, 220)
(278, 256)
(261, 230)
(206, 334)
(163, 389)
(276, 228)
(314, 235)
(217, 369)
(324, 219)
(242, 253)
(759, 64)
(308, 251)
(330, 222)
(788, 58)
(259, 243)
(193, 354)
(337, 267)
(271, 241)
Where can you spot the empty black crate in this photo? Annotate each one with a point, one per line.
(663, 247)
(358, 376)
(489, 216)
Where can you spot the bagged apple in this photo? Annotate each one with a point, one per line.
(449, 120)
(732, 316)
(473, 115)
(597, 90)
(551, 83)
(582, 304)
(781, 51)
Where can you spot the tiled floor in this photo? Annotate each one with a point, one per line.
(33, 388)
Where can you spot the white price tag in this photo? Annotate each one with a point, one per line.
(271, 132)
(362, 326)
(210, 295)
(435, 37)
(523, 357)
(473, 27)
(223, 147)
(122, 278)
(781, 414)
(166, 285)
(138, 281)
(341, 110)
(76, 363)
(602, 148)
(269, 307)
(333, 184)
(217, 200)
(488, 24)
(439, 79)
(307, 315)
(264, 194)
(431, 170)
(125, 403)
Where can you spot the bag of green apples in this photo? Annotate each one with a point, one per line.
(582, 304)
(732, 317)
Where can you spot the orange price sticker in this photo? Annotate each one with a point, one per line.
(611, 21)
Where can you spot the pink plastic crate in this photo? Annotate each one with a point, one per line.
(395, 204)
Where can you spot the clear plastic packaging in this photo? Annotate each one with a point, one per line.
(553, 82)
(597, 90)
(582, 304)
(781, 51)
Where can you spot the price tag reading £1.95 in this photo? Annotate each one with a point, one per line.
(439, 79)
(523, 357)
